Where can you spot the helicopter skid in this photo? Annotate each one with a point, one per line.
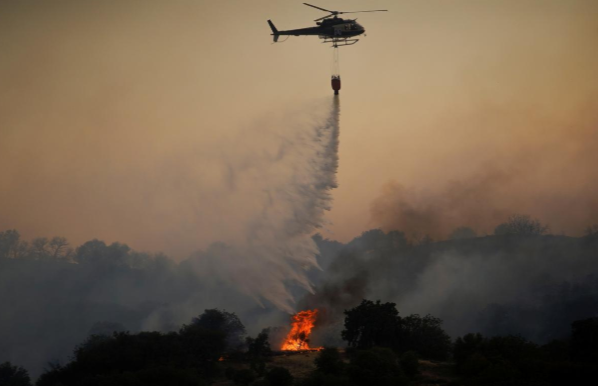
(336, 42)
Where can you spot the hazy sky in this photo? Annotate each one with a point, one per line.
(118, 118)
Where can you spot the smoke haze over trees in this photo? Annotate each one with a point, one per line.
(511, 283)
(530, 284)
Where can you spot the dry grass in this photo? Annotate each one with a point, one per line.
(299, 364)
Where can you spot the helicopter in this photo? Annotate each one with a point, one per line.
(331, 28)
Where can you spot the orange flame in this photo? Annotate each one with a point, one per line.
(298, 337)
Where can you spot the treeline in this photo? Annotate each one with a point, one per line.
(383, 349)
(54, 295)
(520, 280)
(58, 249)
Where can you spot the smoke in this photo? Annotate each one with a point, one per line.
(548, 175)
(535, 286)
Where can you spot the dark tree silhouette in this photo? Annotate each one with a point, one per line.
(376, 366)
(279, 376)
(258, 347)
(375, 324)
(13, 375)
(98, 253)
(225, 322)
(584, 340)
(372, 324)
(11, 246)
(425, 336)
(518, 224)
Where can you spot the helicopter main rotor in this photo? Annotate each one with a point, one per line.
(336, 13)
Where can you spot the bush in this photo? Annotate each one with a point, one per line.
(584, 340)
(410, 363)
(244, 377)
(259, 366)
(230, 372)
(329, 361)
(158, 376)
(377, 366)
(321, 379)
(279, 376)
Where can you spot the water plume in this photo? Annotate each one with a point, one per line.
(292, 192)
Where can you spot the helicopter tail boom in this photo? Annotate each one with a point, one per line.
(274, 31)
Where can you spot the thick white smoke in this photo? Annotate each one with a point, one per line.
(290, 192)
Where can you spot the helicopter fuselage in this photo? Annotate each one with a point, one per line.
(335, 28)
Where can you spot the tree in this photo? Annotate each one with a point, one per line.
(425, 336)
(13, 375)
(466, 347)
(40, 248)
(59, 248)
(258, 347)
(521, 225)
(97, 252)
(372, 324)
(130, 359)
(10, 244)
(225, 322)
(462, 233)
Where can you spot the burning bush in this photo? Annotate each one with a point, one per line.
(302, 324)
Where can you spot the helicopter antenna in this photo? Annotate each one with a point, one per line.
(335, 13)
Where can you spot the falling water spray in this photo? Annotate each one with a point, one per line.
(292, 192)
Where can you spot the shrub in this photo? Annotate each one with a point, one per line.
(584, 340)
(229, 373)
(377, 366)
(329, 361)
(321, 379)
(244, 377)
(410, 363)
(279, 376)
(259, 366)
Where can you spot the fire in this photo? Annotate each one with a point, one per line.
(298, 337)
